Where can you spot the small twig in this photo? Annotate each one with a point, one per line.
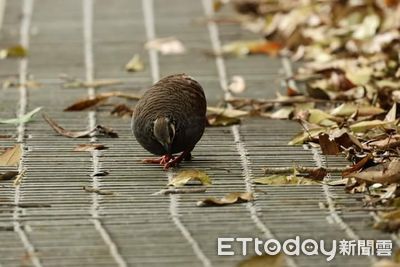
(19, 177)
(97, 191)
(283, 170)
(180, 191)
(26, 205)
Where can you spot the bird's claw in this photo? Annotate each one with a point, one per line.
(161, 160)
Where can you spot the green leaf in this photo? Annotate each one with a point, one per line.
(23, 119)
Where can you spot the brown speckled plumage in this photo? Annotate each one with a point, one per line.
(180, 99)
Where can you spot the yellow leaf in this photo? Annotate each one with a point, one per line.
(364, 126)
(231, 198)
(12, 156)
(301, 137)
(321, 118)
(14, 51)
(185, 176)
(135, 64)
(284, 180)
(347, 109)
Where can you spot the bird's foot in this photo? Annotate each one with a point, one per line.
(160, 160)
(175, 161)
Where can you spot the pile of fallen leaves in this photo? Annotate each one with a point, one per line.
(346, 92)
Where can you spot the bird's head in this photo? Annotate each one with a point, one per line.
(164, 132)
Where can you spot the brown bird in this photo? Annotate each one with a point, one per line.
(170, 118)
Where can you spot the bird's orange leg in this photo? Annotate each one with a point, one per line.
(160, 160)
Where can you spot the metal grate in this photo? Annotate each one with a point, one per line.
(133, 227)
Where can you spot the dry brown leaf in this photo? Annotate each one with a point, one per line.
(122, 110)
(384, 173)
(317, 174)
(328, 146)
(12, 156)
(99, 130)
(230, 198)
(87, 103)
(90, 147)
(221, 120)
(346, 140)
(8, 175)
(187, 176)
(6, 136)
(359, 165)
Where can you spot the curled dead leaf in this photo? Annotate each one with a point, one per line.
(99, 130)
(383, 173)
(122, 110)
(187, 176)
(230, 198)
(328, 145)
(8, 175)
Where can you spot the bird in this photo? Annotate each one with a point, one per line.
(170, 118)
